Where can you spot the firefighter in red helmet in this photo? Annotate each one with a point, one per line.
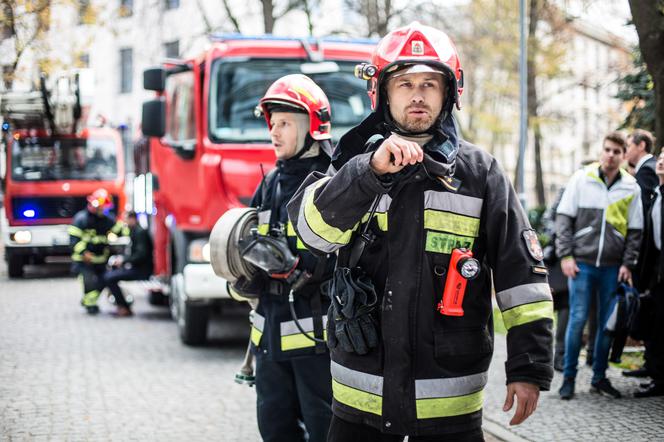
(88, 237)
(293, 384)
(421, 220)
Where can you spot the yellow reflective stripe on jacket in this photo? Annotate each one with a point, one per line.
(290, 231)
(617, 214)
(357, 389)
(298, 341)
(75, 231)
(523, 294)
(80, 247)
(445, 397)
(257, 329)
(381, 220)
(357, 399)
(451, 222)
(312, 227)
(526, 313)
(120, 229)
(381, 212)
(292, 338)
(449, 406)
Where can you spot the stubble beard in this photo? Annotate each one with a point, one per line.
(415, 124)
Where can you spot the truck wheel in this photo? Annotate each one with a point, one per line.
(191, 317)
(15, 266)
(193, 322)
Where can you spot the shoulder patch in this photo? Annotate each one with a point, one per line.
(533, 245)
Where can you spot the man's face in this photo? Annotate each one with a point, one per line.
(634, 151)
(283, 134)
(131, 221)
(415, 100)
(612, 156)
(659, 167)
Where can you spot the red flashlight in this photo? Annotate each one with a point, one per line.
(463, 267)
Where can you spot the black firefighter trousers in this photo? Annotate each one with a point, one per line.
(291, 393)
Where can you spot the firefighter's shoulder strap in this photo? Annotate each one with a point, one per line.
(316, 305)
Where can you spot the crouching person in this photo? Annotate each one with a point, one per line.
(135, 264)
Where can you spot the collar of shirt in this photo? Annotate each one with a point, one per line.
(643, 159)
(603, 177)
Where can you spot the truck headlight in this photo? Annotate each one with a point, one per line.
(199, 250)
(21, 237)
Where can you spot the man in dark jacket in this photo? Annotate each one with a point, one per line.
(651, 278)
(639, 155)
(640, 146)
(135, 265)
(293, 385)
(88, 237)
(407, 363)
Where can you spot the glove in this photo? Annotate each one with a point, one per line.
(350, 323)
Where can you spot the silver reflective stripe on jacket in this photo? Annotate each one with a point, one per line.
(445, 397)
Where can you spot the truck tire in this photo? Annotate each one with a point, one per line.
(193, 323)
(15, 266)
(191, 317)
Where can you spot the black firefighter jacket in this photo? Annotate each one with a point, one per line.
(274, 334)
(428, 372)
(89, 232)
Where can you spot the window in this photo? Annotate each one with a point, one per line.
(237, 86)
(126, 70)
(172, 49)
(172, 4)
(126, 8)
(180, 122)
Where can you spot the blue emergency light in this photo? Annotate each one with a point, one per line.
(29, 213)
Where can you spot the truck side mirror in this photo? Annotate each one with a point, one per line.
(154, 79)
(153, 121)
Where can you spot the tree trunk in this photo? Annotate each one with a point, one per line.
(268, 16)
(533, 105)
(648, 17)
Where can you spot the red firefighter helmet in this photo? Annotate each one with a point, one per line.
(300, 91)
(100, 199)
(414, 44)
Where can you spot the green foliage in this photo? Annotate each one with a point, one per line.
(637, 90)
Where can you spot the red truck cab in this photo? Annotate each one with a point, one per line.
(47, 179)
(207, 151)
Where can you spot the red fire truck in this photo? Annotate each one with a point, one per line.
(50, 166)
(207, 150)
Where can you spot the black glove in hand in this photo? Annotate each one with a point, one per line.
(353, 299)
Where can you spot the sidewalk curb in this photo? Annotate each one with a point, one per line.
(501, 432)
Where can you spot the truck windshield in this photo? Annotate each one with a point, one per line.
(50, 159)
(237, 86)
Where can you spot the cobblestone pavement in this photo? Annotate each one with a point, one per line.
(67, 376)
(587, 417)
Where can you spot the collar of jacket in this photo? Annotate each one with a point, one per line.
(298, 166)
(440, 152)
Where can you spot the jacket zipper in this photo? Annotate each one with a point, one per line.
(601, 238)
